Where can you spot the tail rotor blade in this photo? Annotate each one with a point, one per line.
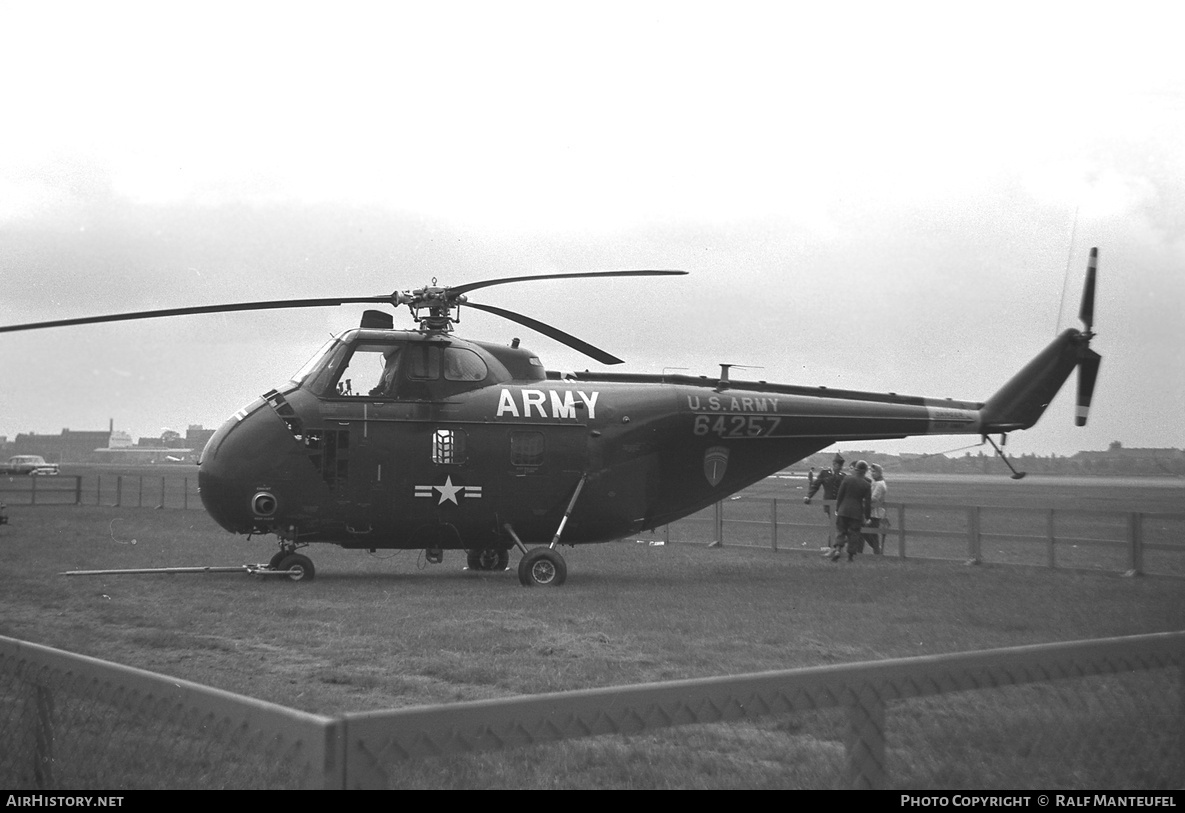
(1088, 372)
(1086, 311)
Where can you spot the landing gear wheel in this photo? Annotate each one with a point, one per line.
(301, 565)
(488, 559)
(542, 567)
(274, 562)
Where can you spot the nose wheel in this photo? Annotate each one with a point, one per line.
(542, 567)
(300, 568)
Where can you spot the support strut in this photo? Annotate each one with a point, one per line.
(555, 540)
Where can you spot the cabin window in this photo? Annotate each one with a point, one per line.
(462, 364)
(526, 448)
(448, 446)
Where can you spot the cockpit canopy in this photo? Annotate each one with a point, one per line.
(411, 366)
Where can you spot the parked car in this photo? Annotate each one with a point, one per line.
(28, 464)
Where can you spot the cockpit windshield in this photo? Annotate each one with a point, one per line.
(312, 363)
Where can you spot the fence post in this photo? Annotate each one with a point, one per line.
(118, 491)
(719, 543)
(773, 523)
(33, 497)
(98, 489)
(865, 744)
(37, 734)
(901, 531)
(1049, 530)
(162, 493)
(78, 490)
(185, 502)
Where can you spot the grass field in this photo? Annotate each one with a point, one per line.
(388, 630)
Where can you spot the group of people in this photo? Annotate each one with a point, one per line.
(859, 507)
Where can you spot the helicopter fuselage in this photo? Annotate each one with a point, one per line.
(404, 439)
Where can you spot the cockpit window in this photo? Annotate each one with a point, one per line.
(364, 370)
(361, 366)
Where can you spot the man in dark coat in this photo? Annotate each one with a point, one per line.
(829, 481)
(853, 507)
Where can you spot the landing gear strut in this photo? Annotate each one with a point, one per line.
(544, 567)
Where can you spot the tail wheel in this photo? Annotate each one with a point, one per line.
(542, 567)
(301, 567)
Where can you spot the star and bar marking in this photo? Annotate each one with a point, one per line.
(448, 491)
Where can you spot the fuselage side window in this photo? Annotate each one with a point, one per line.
(448, 446)
(526, 448)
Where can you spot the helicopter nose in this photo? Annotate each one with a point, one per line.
(236, 470)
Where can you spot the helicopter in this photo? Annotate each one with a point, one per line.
(419, 439)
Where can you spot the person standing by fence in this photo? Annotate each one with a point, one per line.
(875, 536)
(829, 481)
(853, 506)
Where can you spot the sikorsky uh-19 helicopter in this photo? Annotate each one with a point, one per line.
(419, 439)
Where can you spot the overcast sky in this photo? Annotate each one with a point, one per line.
(892, 197)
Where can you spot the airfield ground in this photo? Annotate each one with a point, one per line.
(388, 630)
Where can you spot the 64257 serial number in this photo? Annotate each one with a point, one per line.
(736, 426)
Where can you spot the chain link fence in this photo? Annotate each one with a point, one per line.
(72, 722)
(1106, 714)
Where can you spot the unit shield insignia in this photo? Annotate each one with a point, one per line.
(715, 464)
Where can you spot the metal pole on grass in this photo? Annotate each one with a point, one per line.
(1049, 530)
(973, 541)
(1135, 534)
(773, 523)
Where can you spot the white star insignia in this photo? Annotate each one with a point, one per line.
(448, 491)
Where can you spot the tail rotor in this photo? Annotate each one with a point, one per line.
(1088, 360)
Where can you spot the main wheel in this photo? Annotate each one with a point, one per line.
(302, 567)
(488, 559)
(542, 567)
(274, 562)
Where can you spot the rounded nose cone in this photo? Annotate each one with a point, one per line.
(239, 459)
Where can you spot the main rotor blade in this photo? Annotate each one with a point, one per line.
(1086, 310)
(551, 332)
(275, 304)
(473, 286)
